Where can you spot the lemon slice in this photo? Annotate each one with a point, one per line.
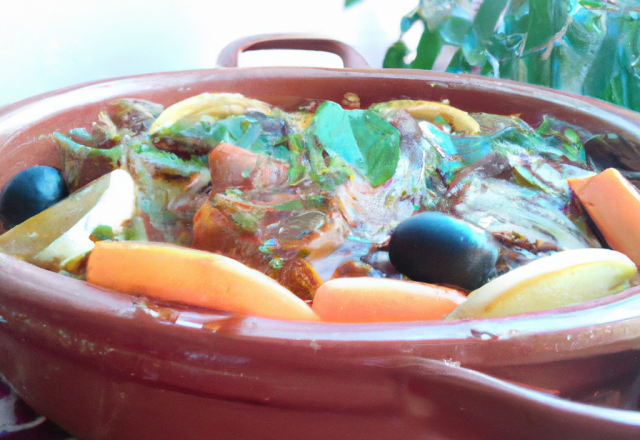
(61, 233)
(217, 105)
(430, 111)
(559, 280)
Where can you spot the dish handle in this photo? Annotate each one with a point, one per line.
(454, 401)
(350, 57)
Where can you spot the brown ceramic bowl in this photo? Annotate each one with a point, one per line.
(110, 366)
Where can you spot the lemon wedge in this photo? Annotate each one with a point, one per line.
(217, 105)
(559, 280)
(61, 233)
(430, 111)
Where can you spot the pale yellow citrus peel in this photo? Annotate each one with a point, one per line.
(216, 105)
(62, 233)
(459, 120)
(559, 280)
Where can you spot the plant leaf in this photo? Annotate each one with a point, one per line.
(408, 20)
(546, 19)
(473, 51)
(453, 30)
(255, 132)
(487, 17)
(296, 165)
(348, 3)
(394, 58)
(359, 138)
(458, 63)
(428, 50)
(581, 46)
(582, 41)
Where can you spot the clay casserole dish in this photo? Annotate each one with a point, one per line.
(105, 365)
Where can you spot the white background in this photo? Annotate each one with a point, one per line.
(49, 44)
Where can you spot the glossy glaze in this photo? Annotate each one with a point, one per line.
(144, 371)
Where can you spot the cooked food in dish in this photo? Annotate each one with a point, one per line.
(390, 213)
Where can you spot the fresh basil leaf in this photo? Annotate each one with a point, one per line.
(329, 171)
(255, 132)
(167, 163)
(357, 139)
(296, 161)
(379, 144)
(291, 205)
(247, 222)
(258, 134)
(565, 139)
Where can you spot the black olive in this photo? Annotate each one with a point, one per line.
(30, 192)
(433, 247)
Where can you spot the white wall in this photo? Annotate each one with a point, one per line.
(49, 44)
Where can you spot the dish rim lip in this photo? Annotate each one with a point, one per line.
(457, 79)
(464, 81)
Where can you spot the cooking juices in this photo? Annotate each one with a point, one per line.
(418, 202)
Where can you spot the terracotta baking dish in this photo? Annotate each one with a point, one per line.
(109, 366)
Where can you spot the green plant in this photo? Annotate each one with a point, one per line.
(589, 47)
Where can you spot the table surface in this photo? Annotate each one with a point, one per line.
(19, 422)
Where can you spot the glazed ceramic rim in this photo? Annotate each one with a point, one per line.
(616, 308)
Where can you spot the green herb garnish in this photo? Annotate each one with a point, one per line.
(356, 139)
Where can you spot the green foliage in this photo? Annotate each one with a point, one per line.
(254, 132)
(296, 164)
(82, 152)
(428, 49)
(340, 141)
(247, 222)
(102, 232)
(167, 163)
(588, 47)
(394, 58)
(568, 139)
(546, 19)
(487, 17)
